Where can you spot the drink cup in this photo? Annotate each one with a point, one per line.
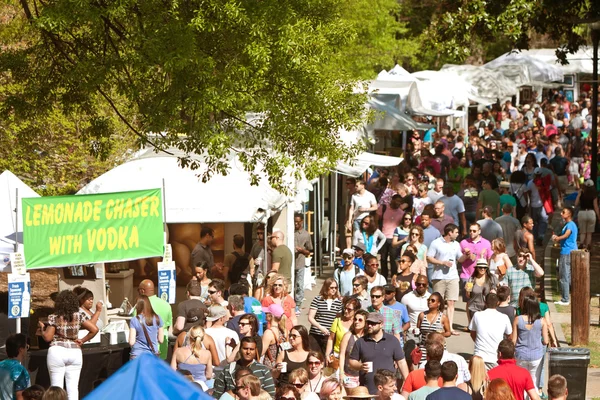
(370, 365)
(283, 367)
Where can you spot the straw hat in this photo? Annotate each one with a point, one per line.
(360, 392)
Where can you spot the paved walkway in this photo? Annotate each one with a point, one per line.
(463, 344)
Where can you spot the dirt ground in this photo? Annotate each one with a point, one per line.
(43, 284)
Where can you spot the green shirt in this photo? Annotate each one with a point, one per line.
(283, 256)
(454, 173)
(489, 197)
(507, 199)
(164, 311)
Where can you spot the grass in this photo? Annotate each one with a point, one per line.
(593, 344)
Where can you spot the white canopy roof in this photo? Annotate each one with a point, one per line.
(228, 198)
(364, 160)
(9, 183)
(491, 85)
(414, 96)
(533, 68)
(392, 119)
(579, 62)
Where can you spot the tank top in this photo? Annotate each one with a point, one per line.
(291, 365)
(347, 370)
(529, 346)
(272, 352)
(520, 238)
(587, 201)
(198, 370)
(405, 285)
(426, 329)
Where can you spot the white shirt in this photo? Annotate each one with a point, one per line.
(453, 206)
(444, 251)
(367, 200)
(434, 196)
(379, 281)
(463, 368)
(534, 195)
(219, 335)
(491, 327)
(415, 305)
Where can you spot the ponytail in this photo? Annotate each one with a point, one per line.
(196, 336)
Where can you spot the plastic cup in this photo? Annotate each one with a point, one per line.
(283, 367)
(370, 365)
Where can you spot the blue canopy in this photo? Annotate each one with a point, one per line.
(147, 377)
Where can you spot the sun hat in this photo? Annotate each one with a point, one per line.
(482, 263)
(359, 392)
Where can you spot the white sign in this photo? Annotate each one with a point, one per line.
(166, 281)
(168, 256)
(17, 263)
(19, 295)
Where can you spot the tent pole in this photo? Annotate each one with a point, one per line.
(319, 226)
(18, 321)
(334, 213)
(164, 212)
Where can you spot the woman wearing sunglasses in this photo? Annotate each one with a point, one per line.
(480, 284)
(349, 376)
(287, 392)
(294, 358)
(278, 294)
(420, 200)
(369, 235)
(415, 239)
(339, 327)
(299, 378)
(323, 310)
(432, 320)
(405, 280)
(401, 233)
(316, 362)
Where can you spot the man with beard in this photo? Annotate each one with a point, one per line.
(376, 350)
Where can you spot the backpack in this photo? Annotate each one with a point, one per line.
(338, 270)
(239, 269)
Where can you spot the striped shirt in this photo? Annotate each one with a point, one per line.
(224, 379)
(327, 311)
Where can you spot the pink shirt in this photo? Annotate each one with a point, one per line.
(391, 220)
(440, 223)
(477, 248)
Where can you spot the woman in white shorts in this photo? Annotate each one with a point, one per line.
(587, 199)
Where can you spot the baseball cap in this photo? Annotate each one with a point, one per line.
(274, 309)
(588, 182)
(375, 317)
(537, 171)
(505, 185)
(350, 252)
(194, 315)
(389, 288)
(359, 246)
(216, 312)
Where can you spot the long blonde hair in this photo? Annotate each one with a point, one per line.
(279, 322)
(478, 374)
(274, 279)
(196, 336)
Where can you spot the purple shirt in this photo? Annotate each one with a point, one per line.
(482, 245)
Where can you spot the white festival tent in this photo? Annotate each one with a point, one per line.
(411, 97)
(229, 198)
(579, 63)
(537, 71)
(491, 85)
(9, 184)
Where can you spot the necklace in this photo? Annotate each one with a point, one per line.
(310, 381)
(434, 318)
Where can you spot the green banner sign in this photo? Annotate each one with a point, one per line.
(85, 229)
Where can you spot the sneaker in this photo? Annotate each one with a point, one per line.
(562, 303)
(297, 310)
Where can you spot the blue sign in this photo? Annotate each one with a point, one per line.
(166, 281)
(19, 295)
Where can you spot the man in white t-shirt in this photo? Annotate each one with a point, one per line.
(437, 192)
(361, 204)
(222, 336)
(488, 328)
(443, 255)
(416, 301)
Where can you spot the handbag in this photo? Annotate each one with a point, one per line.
(334, 362)
(416, 355)
(148, 339)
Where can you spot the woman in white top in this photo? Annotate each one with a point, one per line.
(421, 199)
(369, 235)
(499, 262)
(402, 232)
(416, 238)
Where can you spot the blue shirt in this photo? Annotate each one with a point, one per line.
(141, 344)
(253, 306)
(360, 263)
(569, 244)
(429, 235)
(13, 378)
(449, 393)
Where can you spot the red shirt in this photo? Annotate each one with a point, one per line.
(416, 380)
(517, 378)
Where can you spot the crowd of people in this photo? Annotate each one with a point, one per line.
(459, 218)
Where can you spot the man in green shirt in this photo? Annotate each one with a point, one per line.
(281, 256)
(162, 309)
(488, 197)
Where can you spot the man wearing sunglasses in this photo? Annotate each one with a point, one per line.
(376, 350)
(344, 276)
(388, 217)
(391, 318)
(224, 379)
(473, 248)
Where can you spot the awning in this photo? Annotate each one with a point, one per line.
(537, 70)
(393, 119)
(363, 161)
